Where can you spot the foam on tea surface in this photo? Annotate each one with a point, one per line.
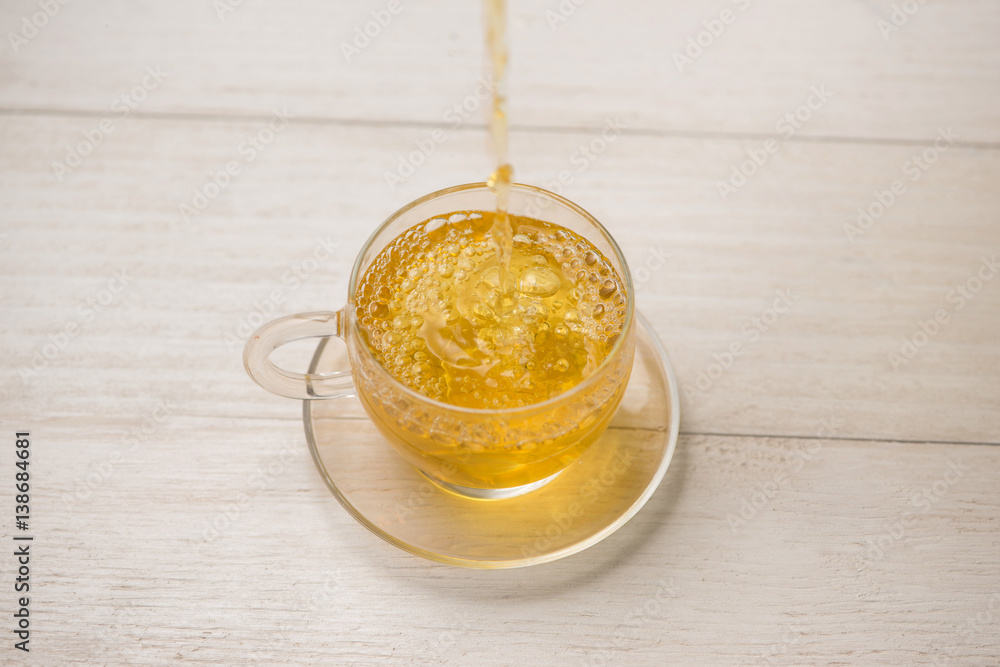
(437, 316)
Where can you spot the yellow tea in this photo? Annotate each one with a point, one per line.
(436, 314)
(485, 309)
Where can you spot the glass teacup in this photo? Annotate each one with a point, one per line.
(481, 453)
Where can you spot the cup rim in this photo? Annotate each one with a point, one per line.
(494, 412)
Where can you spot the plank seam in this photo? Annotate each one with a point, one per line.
(538, 129)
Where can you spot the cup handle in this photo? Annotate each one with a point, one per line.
(274, 334)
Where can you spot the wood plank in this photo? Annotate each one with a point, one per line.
(941, 68)
(176, 330)
(286, 576)
(828, 504)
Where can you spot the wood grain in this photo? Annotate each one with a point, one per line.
(826, 505)
(182, 568)
(178, 326)
(940, 68)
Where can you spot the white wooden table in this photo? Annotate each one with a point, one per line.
(835, 496)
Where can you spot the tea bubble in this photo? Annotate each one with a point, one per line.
(490, 278)
(482, 311)
(484, 344)
(434, 225)
(539, 281)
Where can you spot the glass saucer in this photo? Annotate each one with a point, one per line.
(588, 501)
